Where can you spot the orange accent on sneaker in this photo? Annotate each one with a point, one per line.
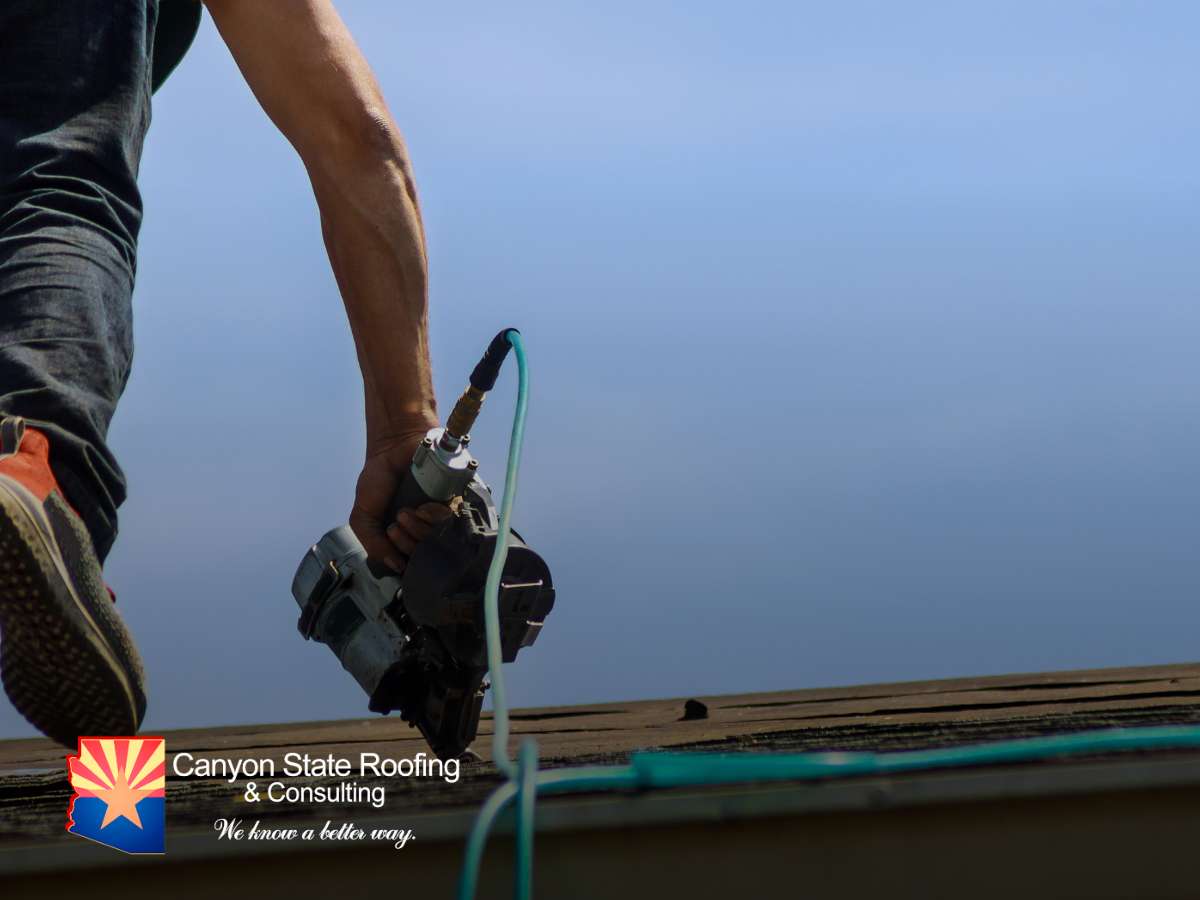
(30, 465)
(25, 458)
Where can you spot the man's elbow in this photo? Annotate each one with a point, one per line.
(356, 143)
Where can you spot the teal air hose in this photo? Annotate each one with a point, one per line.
(491, 590)
(526, 795)
(650, 770)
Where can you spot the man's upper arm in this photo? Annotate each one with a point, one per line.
(302, 64)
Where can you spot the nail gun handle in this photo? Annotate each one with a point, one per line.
(410, 495)
(440, 471)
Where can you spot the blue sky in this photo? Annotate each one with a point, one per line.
(862, 338)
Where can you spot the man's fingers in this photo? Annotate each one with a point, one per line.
(435, 513)
(371, 536)
(401, 539)
(429, 513)
(410, 528)
(416, 528)
(391, 540)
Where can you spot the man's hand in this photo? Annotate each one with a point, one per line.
(391, 541)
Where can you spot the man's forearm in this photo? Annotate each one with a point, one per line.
(372, 228)
(313, 82)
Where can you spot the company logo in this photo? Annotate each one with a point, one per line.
(120, 792)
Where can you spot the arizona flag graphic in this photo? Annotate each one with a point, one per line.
(119, 786)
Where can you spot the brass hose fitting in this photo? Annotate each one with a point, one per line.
(465, 411)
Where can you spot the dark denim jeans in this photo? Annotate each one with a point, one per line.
(74, 109)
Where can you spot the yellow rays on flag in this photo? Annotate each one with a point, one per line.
(120, 772)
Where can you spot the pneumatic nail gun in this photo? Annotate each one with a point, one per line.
(416, 642)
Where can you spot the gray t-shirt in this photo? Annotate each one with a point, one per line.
(178, 21)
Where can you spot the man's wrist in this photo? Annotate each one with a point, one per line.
(382, 437)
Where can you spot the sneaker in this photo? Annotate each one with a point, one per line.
(66, 659)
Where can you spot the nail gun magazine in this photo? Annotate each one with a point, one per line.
(587, 451)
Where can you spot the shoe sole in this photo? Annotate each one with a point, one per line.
(55, 663)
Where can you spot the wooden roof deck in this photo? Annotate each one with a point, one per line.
(34, 790)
